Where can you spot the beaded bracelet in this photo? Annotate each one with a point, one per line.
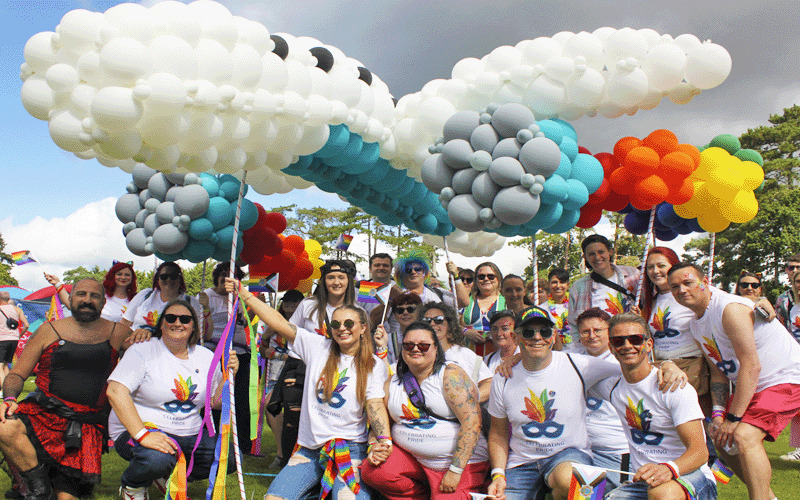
(10, 398)
(718, 413)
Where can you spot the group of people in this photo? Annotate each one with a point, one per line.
(496, 386)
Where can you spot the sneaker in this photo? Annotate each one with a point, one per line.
(792, 456)
(127, 493)
(161, 485)
(276, 464)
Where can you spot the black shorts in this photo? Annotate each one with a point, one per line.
(7, 349)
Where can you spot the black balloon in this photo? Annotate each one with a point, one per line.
(281, 47)
(365, 74)
(324, 58)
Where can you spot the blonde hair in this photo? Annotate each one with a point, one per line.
(363, 361)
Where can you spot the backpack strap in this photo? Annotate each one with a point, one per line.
(417, 398)
(614, 286)
(583, 383)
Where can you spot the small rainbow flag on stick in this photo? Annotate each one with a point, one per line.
(588, 483)
(268, 284)
(343, 243)
(22, 257)
(369, 292)
(721, 473)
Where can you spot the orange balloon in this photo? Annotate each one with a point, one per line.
(642, 162)
(682, 193)
(661, 141)
(294, 244)
(691, 151)
(675, 167)
(621, 181)
(649, 192)
(624, 145)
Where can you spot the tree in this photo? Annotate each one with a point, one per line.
(81, 273)
(5, 266)
(551, 250)
(779, 144)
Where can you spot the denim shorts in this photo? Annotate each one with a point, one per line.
(301, 477)
(529, 480)
(705, 489)
(611, 460)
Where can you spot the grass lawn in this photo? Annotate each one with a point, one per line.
(785, 475)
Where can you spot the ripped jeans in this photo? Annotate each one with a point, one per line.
(301, 477)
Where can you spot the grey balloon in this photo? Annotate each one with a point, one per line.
(506, 171)
(510, 118)
(540, 156)
(151, 223)
(151, 205)
(172, 193)
(135, 241)
(165, 212)
(484, 189)
(436, 175)
(464, 213)
(192, 200)
(462, 180)
(507, 147)
(131, 188)
(515, 205)
(169, 239)
(456, 153)
(127, 207)
(141, 175)
(158, 185)
(461, 125)
(484, 138)
(128, 227)
(141, 216)
(144, 195)
(176, 178)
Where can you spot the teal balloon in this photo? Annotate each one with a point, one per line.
(392, 204)
(337, 141)
(301, 165)
(201, 229)
(368, 156)
(566, 129)
(565, 167)
(588, 170)
(749, 155)
(551, 130)
(229, 188)
(508, 231)
(249, 215)
(210, 184)
(375, 174)
(219, 212)
(168, 257)
(547, 215)
(556, 190)
(407, 211)
(394, 178)
(728, 142)
(578, 195)
(327, 186)
(567, 221)
(391, 220)
(224, 237)
(427, 224)
(416, 194)
(346, 184)
(443, 229)
(569, 147)
(197, 251)
(404, 188)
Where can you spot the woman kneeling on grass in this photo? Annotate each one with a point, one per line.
(345, 379)
(139, 391)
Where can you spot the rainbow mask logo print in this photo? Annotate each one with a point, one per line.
(184, 396)
(711, 348)
(660, 325)
(414, 418)
(337, 400)
(542, 414)
(638, 419)
(616, 304)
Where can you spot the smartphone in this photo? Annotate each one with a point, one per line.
(761, 312)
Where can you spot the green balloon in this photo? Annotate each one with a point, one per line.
(728, 142)
(750, 155)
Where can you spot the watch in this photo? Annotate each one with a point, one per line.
(730, 417)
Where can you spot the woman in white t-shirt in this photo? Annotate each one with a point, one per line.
(344, 391)
(139, 391)
(120, 287)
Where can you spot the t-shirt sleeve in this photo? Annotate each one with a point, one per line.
(594, 370)
(484, 372)
(136, 301)
(602, 389)
(683, 405)
(377, 380)
(130, 370)
(307, 345)
(496, 407)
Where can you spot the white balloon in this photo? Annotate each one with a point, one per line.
(541, 50)
(682, 93)
(167, 95)
(707, 66)
(131, 21)
(214, 61)
(204, 130)
(587, 45)
(502, 58)
(80, 100)
(125, 60)
(687, 42)
(66, 130)
(433, 113)
(586, 89)
(79, 29)
(123, 145)
(627, 88)
(37, 97)
(89, 68)
(545, 97)
(623, 44)
(663, 66)
(216, 22)
(39, 52)
(161, 131)
(114, 108)
(313, 139)
(559, 68)
(253, 34)
(467, 69)
(175, 19)
(246, 66)
(174, 55)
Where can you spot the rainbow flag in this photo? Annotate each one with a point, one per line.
(368, 292)
(56, 311)
(268, 284)
(588, 483)
(343, 243)
(721, 473)
(22, 257)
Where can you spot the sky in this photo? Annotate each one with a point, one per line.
(62, 208)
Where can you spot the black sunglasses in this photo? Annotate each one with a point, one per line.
(415, 269)
(489, 277)
(171, 277)
(618, 342)
(747, 284)
(403, 310)
(171, 318)
(436, 320)
(348, 323)
(792, 268)
(467, 281)
(422, 346)
(546, 332)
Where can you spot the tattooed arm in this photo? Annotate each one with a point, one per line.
(461, 396)
(378, 419)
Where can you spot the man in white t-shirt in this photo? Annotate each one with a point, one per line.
(380, 271)
(760, 358)
(664, 430)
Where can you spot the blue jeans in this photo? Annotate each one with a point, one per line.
(529, 480)
(301, 477)
(610, 460)
(147, 465)
(704, 488)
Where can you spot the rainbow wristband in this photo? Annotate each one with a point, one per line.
(10, 398)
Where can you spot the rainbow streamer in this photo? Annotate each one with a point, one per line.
(336, 453)
(587, 483)
(176, 484)
(368, 292)
(56, 311)
(252, 338)
(691, 493)
(255, 449)
(721, 472)
(22, 257)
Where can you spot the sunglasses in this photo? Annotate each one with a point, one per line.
(170, 277)
(348, 323)
(467, 281)
(403, 310)
(414, 269)
(489, 277)
(438, 320)
(171, 318)
(792, 268)
(747, 284)
(422, 346)
(546, 332)
(619, 342)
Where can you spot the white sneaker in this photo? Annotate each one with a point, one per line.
(792, 456)
(161, 485)
(127, 493)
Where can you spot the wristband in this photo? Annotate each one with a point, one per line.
(457, 470)
(382, 354)
(718, 413)
(141, 434)
(10, 398)
(384, 438)
(718, 408)
(676, 472)
(58, 290)
(499, 470)
(730, 417)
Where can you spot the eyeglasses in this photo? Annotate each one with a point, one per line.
(414, 269)
(403, 310)
(596, 331)
(438, 320)
(170, 277)
(545, 332)
(749, 284)
(348, 323)
(467, 281)
(171, 318)
(619, 342)
(791, 267)
(489, 277)
(422, 346)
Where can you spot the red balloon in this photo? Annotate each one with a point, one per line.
(615, 202)
(303, 268)
(273, 245)
(622, 181)
(583, 150)
(294, 244)
(262, 216)
(600, 195)
(267, 266)
(682, 193)
(609, 163)
(589, 217)
(253, 246)
(286, 282)
(624, 145)
(276, 221)
(649, 192)
(661, 141)
(287, 260)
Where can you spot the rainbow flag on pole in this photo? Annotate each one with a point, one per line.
(343, 243)
(268, 284)
(588, 483)
(369, 292)
(721, 473)
(22, 257)
(56, 311)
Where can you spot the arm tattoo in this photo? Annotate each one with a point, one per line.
(462, 398)
(377, 417)
(719, 393)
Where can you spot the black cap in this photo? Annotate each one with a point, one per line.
(533, 314)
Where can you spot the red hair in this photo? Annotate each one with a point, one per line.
(649, 292)
(110, 284)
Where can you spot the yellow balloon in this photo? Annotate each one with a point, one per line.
(752, 173)
(316, 274)
(313, 248)
(701, 201)
(305, 285)
(713, 222)
(742, 209)
(725, 183)
(711, 159)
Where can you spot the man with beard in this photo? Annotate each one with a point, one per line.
(55, 436)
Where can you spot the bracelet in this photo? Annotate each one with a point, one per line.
(497, 473)
(718, 408)
(58, 289)
(676, 472)
(718, 413)
(730, 417)
(457, 279)
(10, 398)
(457, 470)
(382, 354)
(384, 438)
(141, 434)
